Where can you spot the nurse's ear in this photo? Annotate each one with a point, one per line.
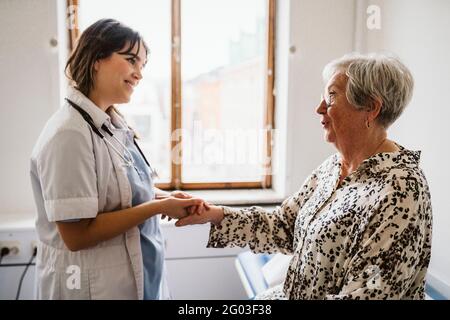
(96, 65)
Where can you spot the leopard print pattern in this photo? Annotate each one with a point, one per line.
(368, 237)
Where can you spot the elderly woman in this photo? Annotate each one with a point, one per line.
(360, 226)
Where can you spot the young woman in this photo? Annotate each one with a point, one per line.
(98, 221)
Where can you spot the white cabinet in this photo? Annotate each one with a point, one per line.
(197, 272)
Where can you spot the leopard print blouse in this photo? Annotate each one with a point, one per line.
(368, 237)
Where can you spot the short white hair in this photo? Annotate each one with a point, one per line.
(374, 76)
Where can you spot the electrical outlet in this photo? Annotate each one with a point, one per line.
(13, 246)
(34, 245)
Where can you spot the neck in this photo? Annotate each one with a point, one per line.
(362, 148)
(97, 99)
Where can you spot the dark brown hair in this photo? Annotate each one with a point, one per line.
(99, 41)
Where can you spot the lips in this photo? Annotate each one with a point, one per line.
(130, 84)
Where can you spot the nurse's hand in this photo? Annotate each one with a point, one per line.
(184, 195)
(176, 194)
(178, 208)
(214, 215)
(180, 194)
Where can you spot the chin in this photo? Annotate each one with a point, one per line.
(329, 137)
(125, 99)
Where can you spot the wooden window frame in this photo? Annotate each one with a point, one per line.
(176, 99)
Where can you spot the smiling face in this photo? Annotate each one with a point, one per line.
(340, 119)
(118, 75)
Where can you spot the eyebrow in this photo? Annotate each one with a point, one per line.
(136, 57)
(331, 86)
(133, 55)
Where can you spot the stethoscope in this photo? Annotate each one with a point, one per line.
(127, 162)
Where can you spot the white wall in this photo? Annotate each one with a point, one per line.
(320, 31)
(418, 32)
(30, 91)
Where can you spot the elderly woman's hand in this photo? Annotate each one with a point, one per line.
(213, 214)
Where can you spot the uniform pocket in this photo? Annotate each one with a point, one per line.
(113, 282)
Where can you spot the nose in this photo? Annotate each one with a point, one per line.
(137, 74)
(322, 107)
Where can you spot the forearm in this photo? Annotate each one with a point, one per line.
(261, 230)
(216, 215)
(89, 232)
(111, 224)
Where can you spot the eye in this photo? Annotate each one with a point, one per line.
(132, 61)
(331, 97)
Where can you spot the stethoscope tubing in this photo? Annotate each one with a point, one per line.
(91, 123)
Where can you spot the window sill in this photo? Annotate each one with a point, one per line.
(244, 197)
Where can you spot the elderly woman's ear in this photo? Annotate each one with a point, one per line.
(374, 109)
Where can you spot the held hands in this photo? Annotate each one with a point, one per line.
(179, 204)
(213, 214)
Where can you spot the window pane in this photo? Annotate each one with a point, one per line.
(223, 94)
(149, 109)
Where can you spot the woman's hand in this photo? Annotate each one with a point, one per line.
(178, 208)
(213, 214)
(175, 194)
(180, 194)
(183, 195)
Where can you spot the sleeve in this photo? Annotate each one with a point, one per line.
(66, 168)
(392, 261)
(264, 231)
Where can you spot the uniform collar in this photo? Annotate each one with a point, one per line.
(97, 114)
(117, 120)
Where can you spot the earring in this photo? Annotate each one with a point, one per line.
(367, 123)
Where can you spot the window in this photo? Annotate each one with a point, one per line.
(205, 107)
